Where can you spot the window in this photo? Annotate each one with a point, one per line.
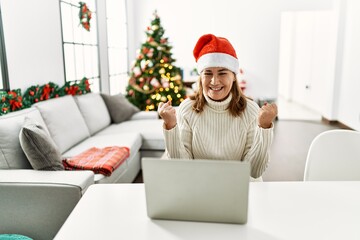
(117, 45)
(80, 46)
(4, 83)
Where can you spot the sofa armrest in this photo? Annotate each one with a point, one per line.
(37, 203)
(80, 179)
(144, 115)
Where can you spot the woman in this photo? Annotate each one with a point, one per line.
(219, 122)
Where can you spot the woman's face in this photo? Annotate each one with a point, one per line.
(217, 82)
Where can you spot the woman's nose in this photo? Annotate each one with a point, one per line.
(214, 80)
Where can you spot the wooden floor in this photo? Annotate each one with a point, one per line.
(292, 139)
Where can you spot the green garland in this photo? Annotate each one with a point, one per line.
(11, 101)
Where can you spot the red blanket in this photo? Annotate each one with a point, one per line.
(100, 160)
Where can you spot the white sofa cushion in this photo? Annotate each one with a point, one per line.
(94, 111)
(150, 130)
(145, 115)
(131, 140)
(63, 118)
(11, 154)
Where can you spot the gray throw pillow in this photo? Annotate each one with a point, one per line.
(119, 107)
(38, 146)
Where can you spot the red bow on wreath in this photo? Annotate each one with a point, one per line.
(15, 101)
(85, 16)
(46, 92)
(72, 90)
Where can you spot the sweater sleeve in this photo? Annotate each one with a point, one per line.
(178, 140)
(257, 148)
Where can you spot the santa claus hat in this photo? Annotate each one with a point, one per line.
(212, 51)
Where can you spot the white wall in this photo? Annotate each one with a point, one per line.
(349, 107)
(286, 56)
(322, 50)
(33, 42)
(308, 57)
(252, 26)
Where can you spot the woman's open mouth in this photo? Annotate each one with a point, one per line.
(216, 88)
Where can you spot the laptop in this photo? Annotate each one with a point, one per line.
(196, 190)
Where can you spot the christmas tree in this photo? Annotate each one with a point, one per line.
(153, 77)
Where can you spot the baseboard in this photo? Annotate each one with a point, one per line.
(335, 123)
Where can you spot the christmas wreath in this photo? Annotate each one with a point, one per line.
(85, 16)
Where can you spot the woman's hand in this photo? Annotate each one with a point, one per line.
(168, 114)
(267, 114)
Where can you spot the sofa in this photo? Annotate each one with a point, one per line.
(36, 203)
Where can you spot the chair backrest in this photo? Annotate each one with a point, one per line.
(334, 155)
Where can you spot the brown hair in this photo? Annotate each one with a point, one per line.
(237, 104)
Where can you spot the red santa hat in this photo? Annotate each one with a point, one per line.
(212, 51)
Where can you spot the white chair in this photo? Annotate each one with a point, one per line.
(334, 155)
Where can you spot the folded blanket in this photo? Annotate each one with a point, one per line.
(100, 160)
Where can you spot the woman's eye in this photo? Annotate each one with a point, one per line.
(222, 74)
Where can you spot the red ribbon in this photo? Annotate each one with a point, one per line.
(46, 92)
(72, 90)
(16, 103)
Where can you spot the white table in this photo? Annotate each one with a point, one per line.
(277, 210)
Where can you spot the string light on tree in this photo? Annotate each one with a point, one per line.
(153, 77)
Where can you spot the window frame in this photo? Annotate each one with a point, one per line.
(3, 60)
(82, 43)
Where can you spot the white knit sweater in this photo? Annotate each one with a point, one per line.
(216, 134)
